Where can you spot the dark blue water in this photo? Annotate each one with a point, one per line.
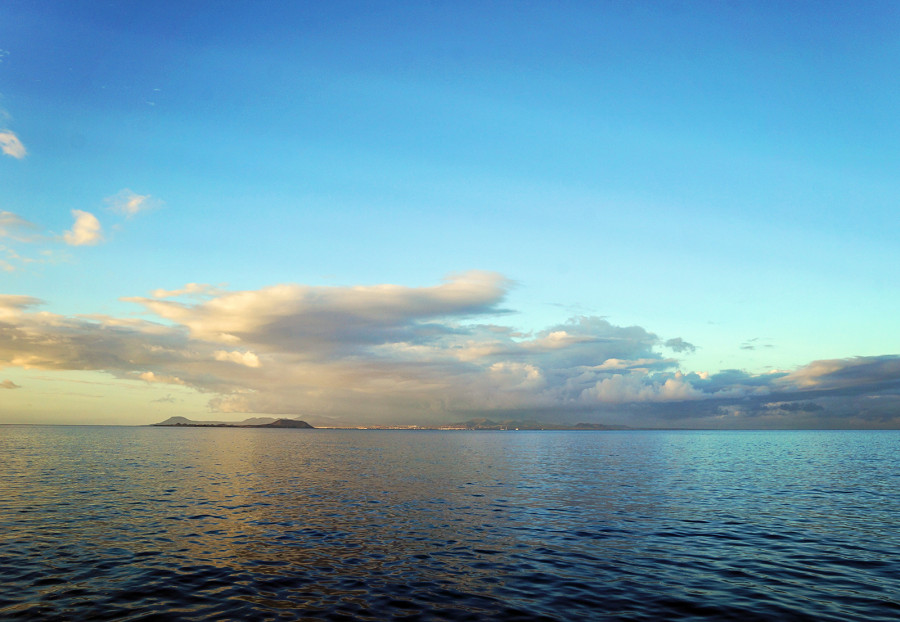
(198, 524)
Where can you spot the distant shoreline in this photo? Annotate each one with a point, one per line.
(439, 429)
(182, 422)
(473, 425)
(226, 425)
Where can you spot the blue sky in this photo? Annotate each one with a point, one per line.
(721, 175)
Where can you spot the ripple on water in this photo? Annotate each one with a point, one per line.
(267, 525)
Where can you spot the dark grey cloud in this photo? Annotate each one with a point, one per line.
(736, 381)
(753, 344)
(680, 345)
(860, 373)
(793, 407)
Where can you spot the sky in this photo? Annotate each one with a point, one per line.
(678, 214)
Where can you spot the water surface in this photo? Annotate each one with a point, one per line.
(198, 524)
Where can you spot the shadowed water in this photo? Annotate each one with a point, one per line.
(198, 524)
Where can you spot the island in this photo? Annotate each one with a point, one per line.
(257, 422)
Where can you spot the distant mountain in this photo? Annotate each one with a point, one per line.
(284, 423)
(254, 422)
(186, 421)
(257, 421)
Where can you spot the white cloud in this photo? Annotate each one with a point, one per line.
(85, 232)
(639, 387)
(326, 317)
(248, 359)
(129, 203)
(516, 376)
(556, 340)
(11, 145)
(149, 376)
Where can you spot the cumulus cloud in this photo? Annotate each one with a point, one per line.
(11, 145)
(17, 232)
(130, 203)
(86, 231)
(516, 376)
(9, 384)
(620, 388)
(393, 354)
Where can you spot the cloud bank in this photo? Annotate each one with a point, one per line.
(393, 354)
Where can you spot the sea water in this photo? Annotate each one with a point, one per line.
(230, 524)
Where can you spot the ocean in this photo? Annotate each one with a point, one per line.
(143, 523)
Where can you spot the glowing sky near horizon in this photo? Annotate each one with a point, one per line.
(656, 213)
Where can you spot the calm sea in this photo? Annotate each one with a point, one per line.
(198, 524)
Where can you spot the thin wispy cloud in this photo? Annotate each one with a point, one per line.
(755, 343)
(9, 384)
(191, 289)
(26, 243)
(17, 228)
(86, 231)
(130, 203)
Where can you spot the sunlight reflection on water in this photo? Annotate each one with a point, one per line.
(249, 523)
